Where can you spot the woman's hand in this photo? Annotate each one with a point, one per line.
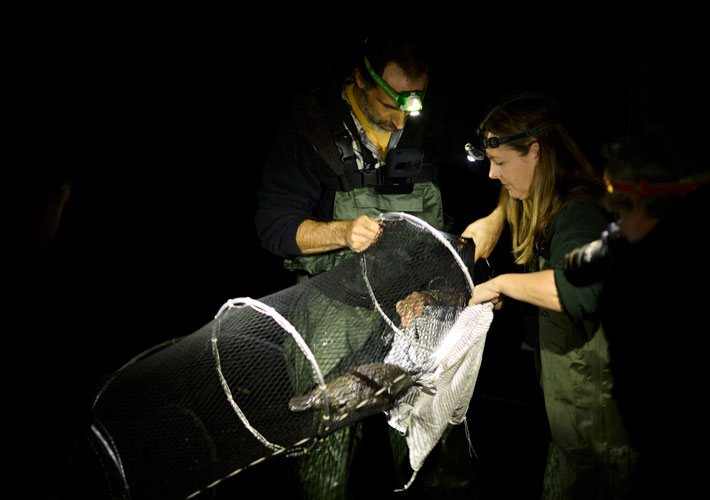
(486, 231)
(538, 289)
(487, 292)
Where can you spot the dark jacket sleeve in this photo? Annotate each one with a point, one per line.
(292, 191)
(577, 223)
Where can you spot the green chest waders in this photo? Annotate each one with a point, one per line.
(324, 472)
(589, 456)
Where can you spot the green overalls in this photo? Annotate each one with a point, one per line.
(589, 455)
(324, 472)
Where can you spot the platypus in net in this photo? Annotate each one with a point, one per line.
(367, 386)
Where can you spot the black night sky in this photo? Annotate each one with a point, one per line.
(166, 119)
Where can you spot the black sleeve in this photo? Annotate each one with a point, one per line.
(576, 224)
(291, 192)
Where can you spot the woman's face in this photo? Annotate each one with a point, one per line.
(514, 171)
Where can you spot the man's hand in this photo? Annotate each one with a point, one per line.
(361, 233)
(316, 237)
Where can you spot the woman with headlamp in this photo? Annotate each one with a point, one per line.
(554, 206)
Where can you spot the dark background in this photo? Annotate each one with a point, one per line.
(164, 119)
(167, 121)
(169, 125)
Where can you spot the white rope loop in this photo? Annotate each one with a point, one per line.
(272, 313)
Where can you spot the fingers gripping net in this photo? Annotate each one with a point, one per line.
(272, 377)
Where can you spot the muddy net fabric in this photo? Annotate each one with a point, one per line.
(387, 330)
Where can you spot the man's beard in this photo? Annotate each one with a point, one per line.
(379, 125)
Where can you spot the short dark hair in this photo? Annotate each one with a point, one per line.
(411, 52)
(659, 153)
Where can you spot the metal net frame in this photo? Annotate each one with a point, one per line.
(273, 377)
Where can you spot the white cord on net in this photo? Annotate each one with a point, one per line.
(269, 311)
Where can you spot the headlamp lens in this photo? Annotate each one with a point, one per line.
(411, 103)
(473, 153)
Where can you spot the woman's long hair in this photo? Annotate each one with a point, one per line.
(562, 172)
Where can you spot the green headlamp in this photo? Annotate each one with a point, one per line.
(409, 101)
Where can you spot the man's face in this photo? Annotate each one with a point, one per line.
(379, 108)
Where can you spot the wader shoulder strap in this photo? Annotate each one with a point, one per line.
(324, 119)
(344, 130)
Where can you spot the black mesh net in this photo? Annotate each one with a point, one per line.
(274, 377)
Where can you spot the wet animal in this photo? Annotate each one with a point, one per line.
(367, 386)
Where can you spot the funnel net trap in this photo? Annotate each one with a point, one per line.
(387, 330)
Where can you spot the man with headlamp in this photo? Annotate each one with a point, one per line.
(352, 152)
(349, 152)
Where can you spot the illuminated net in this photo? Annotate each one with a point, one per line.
(387, 330)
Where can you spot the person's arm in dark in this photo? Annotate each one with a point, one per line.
(291, 193)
